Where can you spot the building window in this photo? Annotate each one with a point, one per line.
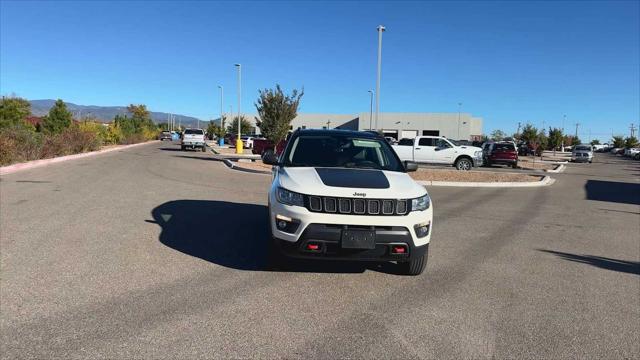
(431, 132)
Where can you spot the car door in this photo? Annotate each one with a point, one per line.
(444, 152)
(424, 149)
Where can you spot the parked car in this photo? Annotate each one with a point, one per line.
(438, 150)
(165, 135)
(582, 153)
(247, 141)
(193, 139)
(391, 140)
(631, 152)
(503, 153)
(617, 151)
(345, 195)
(262, 146)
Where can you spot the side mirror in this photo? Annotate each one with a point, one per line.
(270, 158)
(410, 166)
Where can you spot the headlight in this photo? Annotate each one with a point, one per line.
(478, 153)
(421, 203)
(287, 197)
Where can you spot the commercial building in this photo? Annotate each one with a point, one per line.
(456, 126)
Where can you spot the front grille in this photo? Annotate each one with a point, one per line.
(357, 206)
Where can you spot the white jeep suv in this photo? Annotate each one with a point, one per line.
(346, 195)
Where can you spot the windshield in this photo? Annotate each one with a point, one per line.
(583, 148)
(193, 132)
(342, 151)
(454, 142)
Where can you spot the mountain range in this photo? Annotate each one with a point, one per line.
(106, 113)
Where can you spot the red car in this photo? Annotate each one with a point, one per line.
(504, 153)
(260, 146)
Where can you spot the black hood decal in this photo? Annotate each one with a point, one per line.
(353, 178)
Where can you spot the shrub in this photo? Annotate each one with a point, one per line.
(19, 144)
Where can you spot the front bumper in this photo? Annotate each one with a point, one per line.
(328, 237)
(478, 161)
(324, 227)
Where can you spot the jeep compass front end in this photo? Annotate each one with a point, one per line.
(340, 194)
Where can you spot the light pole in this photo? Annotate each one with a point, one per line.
(370, 109)
(380, 29)
(459, 109)
(238, 140)
(221, 111)
(564, 118)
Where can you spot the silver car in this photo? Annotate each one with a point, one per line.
(582, 153)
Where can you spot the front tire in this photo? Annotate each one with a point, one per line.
(415, 267)
(464, 164)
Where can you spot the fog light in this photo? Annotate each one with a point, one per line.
(422, 230)
(287, 224)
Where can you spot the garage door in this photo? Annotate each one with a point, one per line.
(391, 133)
(409, 133)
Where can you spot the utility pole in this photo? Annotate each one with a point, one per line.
(564, 118)
(577, 124)
(370, 108)
(221, 106)
(380, 29)
(633, 129)
(328, 124)
(518, 131)
(238, 140)
(459, 109)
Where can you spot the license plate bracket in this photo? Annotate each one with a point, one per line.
(358, 239)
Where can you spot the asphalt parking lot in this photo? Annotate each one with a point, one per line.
(156, 253)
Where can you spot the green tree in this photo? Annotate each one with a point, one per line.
(125, 124)
(498, 135)
(542, 142)
(630, 141)
(215, 129)
(575, 140)
(141, 118)
(13, 111)
(595, 142)
(245, 126)
(276, 110)
(529, 134)
(58, 119)
(618, 141)
(555, 138)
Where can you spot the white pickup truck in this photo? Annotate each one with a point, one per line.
(438, 150)
(193, 139)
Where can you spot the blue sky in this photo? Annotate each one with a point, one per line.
(507, 62)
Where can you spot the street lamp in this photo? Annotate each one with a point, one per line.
(370, 108)
(564, 118)
(238, 140)
(380, 29)
(459, 108)
(221, 111)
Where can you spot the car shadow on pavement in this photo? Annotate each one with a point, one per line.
(171, 149)
(236, 235)
(613, 191)
(629, 267)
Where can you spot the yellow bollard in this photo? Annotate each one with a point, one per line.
(239, 146)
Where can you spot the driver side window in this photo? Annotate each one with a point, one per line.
(442, 144)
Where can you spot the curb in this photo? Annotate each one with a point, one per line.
(545, 181)
(231, 165)
(559, 169)
(10, 169)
